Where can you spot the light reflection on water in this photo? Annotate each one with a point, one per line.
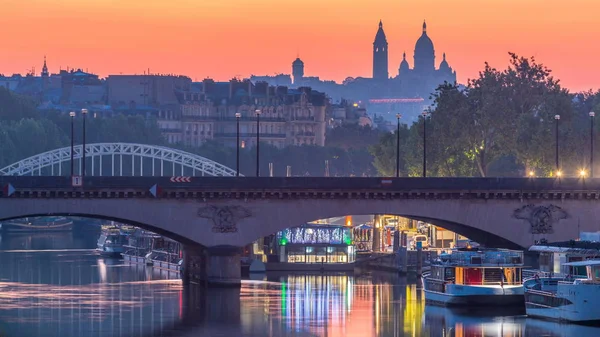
(77, 293)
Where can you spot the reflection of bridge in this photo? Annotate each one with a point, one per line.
(213, 216)
(118, 159)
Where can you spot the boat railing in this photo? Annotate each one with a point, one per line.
(566, 282)
(532, 273)
(485, 257)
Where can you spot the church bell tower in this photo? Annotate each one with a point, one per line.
(380, 55)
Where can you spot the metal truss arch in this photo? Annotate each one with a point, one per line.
(58, 157)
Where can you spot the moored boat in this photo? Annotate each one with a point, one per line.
(573, 295)
(165, 254)
(111, 242)
(476, 277)
(37, 224)
(138, 246)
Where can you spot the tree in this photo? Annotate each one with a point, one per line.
(351, 136)
(384, 153)
(14, 107)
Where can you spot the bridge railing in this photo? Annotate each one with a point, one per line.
(500, 186)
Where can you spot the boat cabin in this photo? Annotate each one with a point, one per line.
(327, 244)
(554, 256)
(475, 267)
(590, 270)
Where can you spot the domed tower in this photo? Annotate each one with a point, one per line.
(380, 55)
(404, 68)
(444, 67)
(424, 53)
(297, 70)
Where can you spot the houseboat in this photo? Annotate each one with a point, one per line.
(37, 224)
(553, 256)
(572, 295)
(470, 276)
(165, 254)
(139, 244)
(313, 247)
(111, 242)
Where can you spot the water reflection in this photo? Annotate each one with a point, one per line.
(64, 292)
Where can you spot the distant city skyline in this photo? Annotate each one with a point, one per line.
(233, 38)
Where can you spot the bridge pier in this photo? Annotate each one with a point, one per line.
(218, 266)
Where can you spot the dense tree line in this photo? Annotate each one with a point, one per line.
(24, 132)
(502, 123)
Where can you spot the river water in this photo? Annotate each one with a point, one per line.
(56, 285)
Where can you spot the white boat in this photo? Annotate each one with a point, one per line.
(475, 277)
(573, 296)
(37, 224)
(165, 254)
(111, 242)
(138, 246)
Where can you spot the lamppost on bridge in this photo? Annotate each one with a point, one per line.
(592, 114)
(425, 115)
(84, 112)
(257, 142)
(398, 116)
(72, 115)
(558, 173)
(237, 144)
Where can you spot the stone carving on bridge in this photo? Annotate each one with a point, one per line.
(541, 218)
(224, 218)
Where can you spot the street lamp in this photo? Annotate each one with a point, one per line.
(557, 118)
(531, 174)
(425, 114)
(582, 173)
(398, 116)
(592, 114)
(72, 115)
(84, 112)
(257, 142)
(237, 144)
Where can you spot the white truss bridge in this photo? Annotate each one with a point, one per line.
(162, 160)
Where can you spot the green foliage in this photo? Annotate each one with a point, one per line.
(384, 153)
(502, 124)
(14, 107)
(352, 136)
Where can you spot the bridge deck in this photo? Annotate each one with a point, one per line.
(333, 187)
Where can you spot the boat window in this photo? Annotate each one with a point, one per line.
(473, 276)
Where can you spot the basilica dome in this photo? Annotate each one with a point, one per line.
(424, 45)
(404, 67)
(424, 53)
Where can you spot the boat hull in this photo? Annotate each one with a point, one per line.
(134, 258)
(176, 267)
(8, 227)
(570, 303)
(110, 250)
(461, 295)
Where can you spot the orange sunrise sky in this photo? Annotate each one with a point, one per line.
(225, 38)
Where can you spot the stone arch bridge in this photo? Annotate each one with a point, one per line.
(214, 216)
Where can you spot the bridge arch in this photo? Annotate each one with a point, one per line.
(178, 162)
(152, 228)
(228, 211)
